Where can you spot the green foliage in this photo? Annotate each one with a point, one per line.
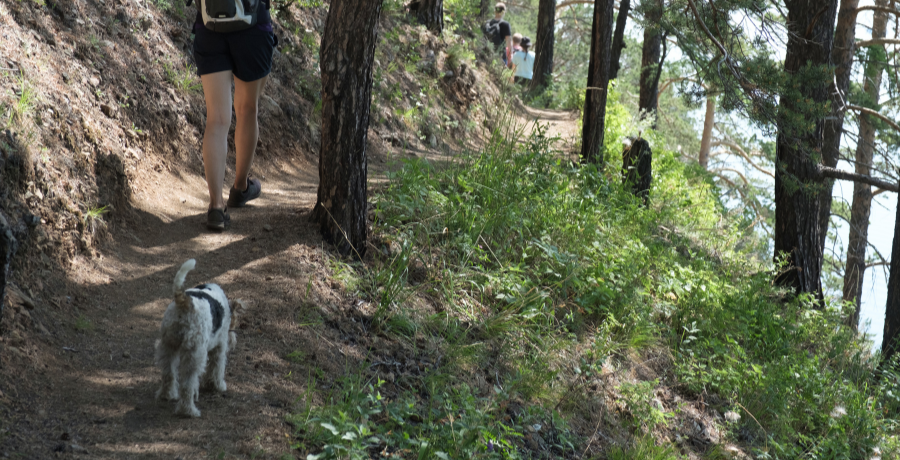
(359, 423)
(638, 397)
(173, 7)
(83, 324)
(644, 448)
(24, 101)
(458, 53)
(184, 80)
(546, 246)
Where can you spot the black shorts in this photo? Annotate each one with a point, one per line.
(247, 53)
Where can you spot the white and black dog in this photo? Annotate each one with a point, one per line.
(194, 333)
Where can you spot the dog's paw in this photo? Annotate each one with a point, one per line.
(186, 410)
(163, 395)
(221, 386)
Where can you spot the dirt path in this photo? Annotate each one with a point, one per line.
(86, 387)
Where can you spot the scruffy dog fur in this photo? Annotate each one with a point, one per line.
(194, 333)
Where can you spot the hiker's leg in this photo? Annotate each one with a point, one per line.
(246, 131)
(217, 92)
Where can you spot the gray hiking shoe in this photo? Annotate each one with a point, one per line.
(218, 219)
(239, 199)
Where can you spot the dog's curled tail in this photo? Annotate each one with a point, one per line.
(178, 288)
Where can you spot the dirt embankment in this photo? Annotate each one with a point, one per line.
(103, 122)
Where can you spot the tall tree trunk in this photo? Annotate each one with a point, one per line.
(842, 59)
(347, 54)
(598, 82)
(486, 11)
(431, 15)
(543, 62)
(797, 182)
(862, 193)
(650, 65)
(618, 39)
(889, 343)
(708, 122)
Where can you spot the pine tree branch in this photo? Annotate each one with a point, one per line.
(878, 8)
(835, 173)
(878, 41)
(737, 149)
(875, 113)
(742, 176)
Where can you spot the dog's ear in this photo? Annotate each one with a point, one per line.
(238, 311)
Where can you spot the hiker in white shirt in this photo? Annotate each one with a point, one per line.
(523, 63)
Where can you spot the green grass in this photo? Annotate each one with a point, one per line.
(184, 80)
(24, 102)
(83, 324)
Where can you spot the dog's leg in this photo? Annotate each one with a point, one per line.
(168, 388)
(189, 369)
(215, 375)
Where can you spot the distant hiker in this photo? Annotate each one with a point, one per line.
(241, 51)
(516, 39)
(523, 63)
(499, 33)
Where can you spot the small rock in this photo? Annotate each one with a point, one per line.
(42, 413)
(267, 227)
(108, 110)
(94, 81)
(65, 77)
(78, 449)
(448, 74)
(126, 354)
(270, 278)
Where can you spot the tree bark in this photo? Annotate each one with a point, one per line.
(618, 42)
(650, 57)
(543, 62)
(347, 54)
(798, 232)
(598, 81)
(708, 122)
(862, 193)
(431, 15)
(842, 59)
(486, 10)
(889, 343)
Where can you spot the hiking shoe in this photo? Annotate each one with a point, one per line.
(218, 219)
(239, 199)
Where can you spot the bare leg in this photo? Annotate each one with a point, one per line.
(217, 91)
(246, 132)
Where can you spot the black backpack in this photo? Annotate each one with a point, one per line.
(491, 30)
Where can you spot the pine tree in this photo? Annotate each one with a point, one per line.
(598, 82)
(347, 54)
